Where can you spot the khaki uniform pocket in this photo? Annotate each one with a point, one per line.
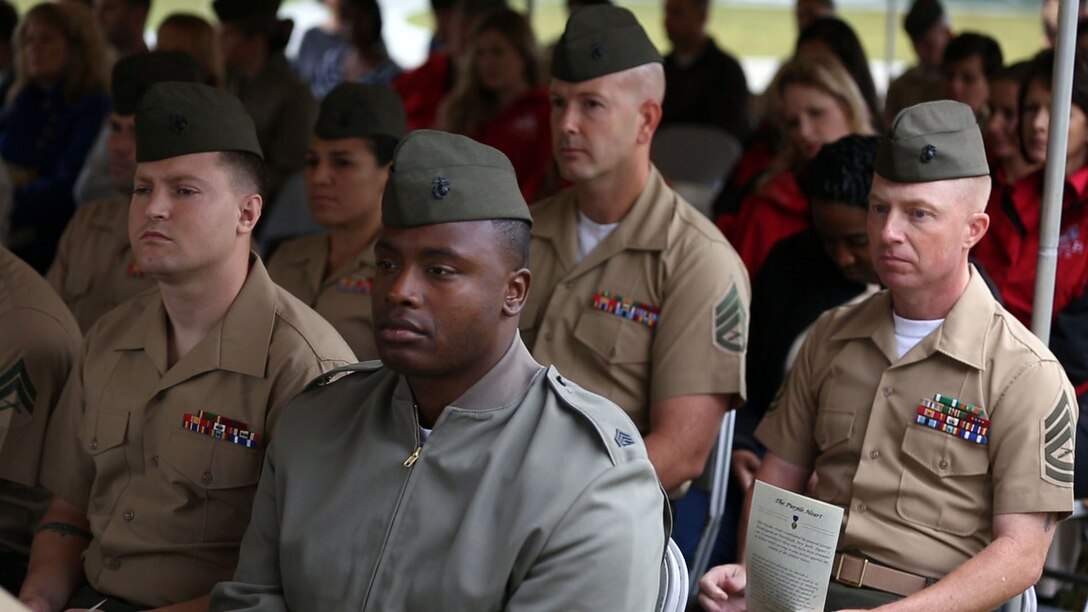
(944, 482)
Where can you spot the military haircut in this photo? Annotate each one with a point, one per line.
(843, 171)
(382, 146)
(970, 44)
(513, 239)
(248, 171)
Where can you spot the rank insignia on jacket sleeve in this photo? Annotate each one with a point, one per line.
(17, 392)
(1057, 443)
(623, 438)
(730, 322)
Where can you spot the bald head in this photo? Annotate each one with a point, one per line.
(645, 82)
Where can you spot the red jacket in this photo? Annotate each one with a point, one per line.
(523, 133)
(777, 210)
(423, 89)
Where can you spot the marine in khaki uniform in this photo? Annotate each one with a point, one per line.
(94, 269)
(939, 423)
(347, 165)
(638, 297)
(40, 348)
(479, 479)
(156, 449)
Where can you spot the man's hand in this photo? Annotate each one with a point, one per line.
(722, 589)
(745, 464)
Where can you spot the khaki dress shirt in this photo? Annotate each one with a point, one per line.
(917, 498)
(167, 505)
(39, 348)
(343, 298)
(658, 309)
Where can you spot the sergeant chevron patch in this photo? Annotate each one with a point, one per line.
(730, 322)
(16, 390)
(1057, 444)
(623, 438)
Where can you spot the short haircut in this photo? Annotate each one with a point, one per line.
(382, 146)
(970, 44)
(248, 171)
(513, 237)
(843, 171)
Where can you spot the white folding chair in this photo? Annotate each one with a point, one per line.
(695, 159)
(673, 594)
(719, 487)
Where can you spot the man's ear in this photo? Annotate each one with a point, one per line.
(517, 292)
(249, 212)
(977, 224)
(649, 116)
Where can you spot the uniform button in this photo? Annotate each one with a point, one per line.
(155, 460)
(113, 564)
(862, 507)
(129, 515)
(887, 391)
(943, 464)
(206, 478)
(94, 444)
(874, 454)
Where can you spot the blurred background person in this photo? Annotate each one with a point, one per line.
(55, 109)
(316, 41)
(347, 166)
(499, 99)
(9, 18)
(283, 109)
(123, 23)
(818, 103)
(193, 35)
(703, 84)
(807, 11)
(834, 37)
(363, 59)
(1001, 134)
(927, 26)
(969, 62)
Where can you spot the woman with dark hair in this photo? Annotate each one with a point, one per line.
(1001, 134)
(55, 109)
(500, 102)
(364, 59)
(831, 35)
(1010, 248)
(347, 165)
(968, 65)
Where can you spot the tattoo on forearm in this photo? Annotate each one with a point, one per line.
(64, 529)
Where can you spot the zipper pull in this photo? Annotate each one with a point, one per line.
(411, 460)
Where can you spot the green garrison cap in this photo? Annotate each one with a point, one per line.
(438, 177)
(132, 76)
(932, 141)
(174, 119)
(353, 109)
(600, 40)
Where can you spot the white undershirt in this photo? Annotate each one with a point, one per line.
(590, 234)
(909, 332)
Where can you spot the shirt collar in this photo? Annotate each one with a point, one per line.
(238, 343)
(962, 336)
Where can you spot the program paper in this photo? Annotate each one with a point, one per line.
(789, 550)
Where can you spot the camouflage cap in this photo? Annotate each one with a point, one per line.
(174, 119)
(353, 109)
(932, 141)
(600, 40)
(439, 177)
(132, 76)
(923, 15)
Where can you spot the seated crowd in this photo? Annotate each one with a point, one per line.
(486, 364)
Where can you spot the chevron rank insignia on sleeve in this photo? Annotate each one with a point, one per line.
(1057, 444)
(17, 392)
(623, 438)
(730, 322)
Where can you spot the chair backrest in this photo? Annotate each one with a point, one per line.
(673, 593)
(719, 487)
(695, 159)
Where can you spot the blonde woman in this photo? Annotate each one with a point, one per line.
(55, 109)
(817, 102)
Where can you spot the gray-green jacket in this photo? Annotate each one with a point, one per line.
(530, 494)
